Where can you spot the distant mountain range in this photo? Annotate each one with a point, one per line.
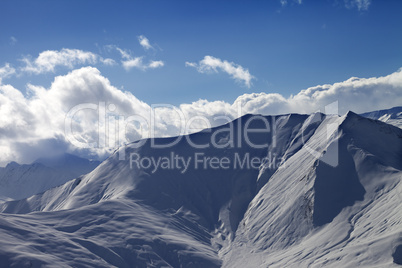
(21, 181)
(391, 116)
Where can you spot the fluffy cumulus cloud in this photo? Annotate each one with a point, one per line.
(48, 60)
(211, 64)
(83, 113)
(40, 117)
(357, 94)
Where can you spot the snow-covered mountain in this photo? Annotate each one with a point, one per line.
(308, 191)
(391, 116)
(21, 181)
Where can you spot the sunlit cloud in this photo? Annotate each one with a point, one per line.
(109, 61)
(38, 119)
(48, 60)
(130, 62)
(213, 65)
(156, 64)
(144, 42)
(6, 71)
(133, 63)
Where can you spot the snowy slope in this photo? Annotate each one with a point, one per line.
(313, 215)
(391, 116)
(311, 208)
(21, 181)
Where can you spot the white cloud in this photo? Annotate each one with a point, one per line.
(6, 71)
(144, 42)
(133, 63)
(212, 64)
(130, 62)
(361, 5)
(356, 94)
(26, 122)
(124, 53)
(109, 61)
(191, 64)
(156, 64)
(48, 60)
(30, 124)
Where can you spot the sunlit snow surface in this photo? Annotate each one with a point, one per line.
(391, 116)
(334, 201)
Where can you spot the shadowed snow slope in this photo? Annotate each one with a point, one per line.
(327, 193)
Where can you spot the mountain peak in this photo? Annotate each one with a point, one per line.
(12, 164)
(187, 210)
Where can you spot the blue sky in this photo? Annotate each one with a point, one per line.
(214, 60)
(285, 47)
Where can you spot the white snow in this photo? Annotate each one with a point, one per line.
(22, 181)
(333, 199)
(391, 116)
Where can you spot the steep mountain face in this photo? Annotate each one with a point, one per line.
(310, 214)
(280, 191)
(391, 116)
(21, 181)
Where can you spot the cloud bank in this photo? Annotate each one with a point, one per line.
(34, 125)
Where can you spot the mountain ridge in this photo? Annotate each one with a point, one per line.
(391, 116)
(21, 181)
(294, 214)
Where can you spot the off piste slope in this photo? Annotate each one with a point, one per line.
(310, 214)
(292, 190)
(22, 181)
